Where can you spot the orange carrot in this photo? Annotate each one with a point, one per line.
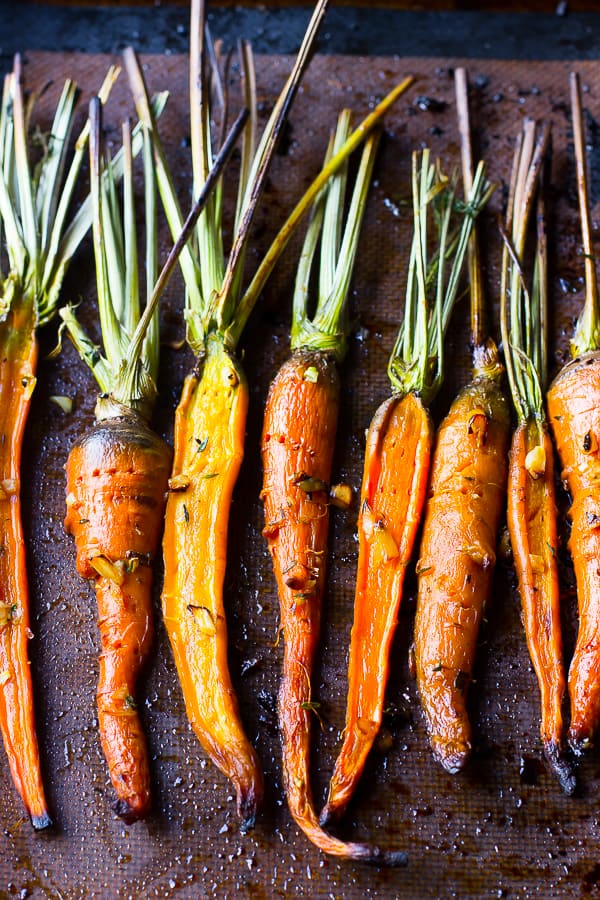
(396, 469)
(209, 436)
(117, 473)
(298, 441)
(33, 210)
(574, 412)
(531, 499)
(465, 500)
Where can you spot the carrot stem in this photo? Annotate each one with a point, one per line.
(587, 331)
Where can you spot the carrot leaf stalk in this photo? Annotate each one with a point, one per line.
(531, 494)
(40, 241)
(466, 496)
(117, 473)
(397, 458)
(210, 420)
(298, 442)
(574, 414)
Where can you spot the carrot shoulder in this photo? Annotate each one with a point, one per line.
(116, 487)
(209, 447)
(457, 556)
(395, 478)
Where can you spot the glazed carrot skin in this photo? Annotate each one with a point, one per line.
(457, 558)
(116, 488)
(574, 413)
(298, 438)
(532, 525)
(395, 476)
(210, 427)
(18, 358)
(297, 448)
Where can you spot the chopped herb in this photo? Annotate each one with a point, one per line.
(587, 442)
(201, 444)
(130, 702)
(210, 475)
(438, 667)
(186, 514)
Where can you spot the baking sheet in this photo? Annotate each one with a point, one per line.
(502, 827)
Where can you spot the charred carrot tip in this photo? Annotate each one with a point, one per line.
(42, 822)
(389, 858)
(330, 814)
(247, 808)
(451, 756)
(128, 813)
(561, 767)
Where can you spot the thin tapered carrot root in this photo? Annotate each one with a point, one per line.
(395, 477)
(532, 525)
(297, 447)
(116, 487)
(209, 447)
(457, 558)
(574, 413)
(18, 358)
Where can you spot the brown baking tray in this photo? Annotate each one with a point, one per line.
(501, 828)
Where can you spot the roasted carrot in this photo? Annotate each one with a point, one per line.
(396, 468)
(117, 473)
(531, 496)
(210, 420)
(298, 441)
(574, 413)
(465, 500)
(33, 212)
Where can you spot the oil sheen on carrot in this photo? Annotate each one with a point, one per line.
(18, 359)
(532, 524)
(297, 448)
(574, 413)
(210, 428)
(393, 492)
(457, 557)
(116, 488)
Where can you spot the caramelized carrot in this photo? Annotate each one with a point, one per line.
(298, 441)
(33, 209)
(116, 485)
(209, 435)
(456, 559)
(117, 474)
(462, 513)
(574, 412)
(210, 427)
(531, 498)
(396, 470)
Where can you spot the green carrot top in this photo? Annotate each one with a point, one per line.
(34, 201)
(327, 329)
(217, 304)
(587, 330)
(523, 295)
(128, 370)
(417, 360)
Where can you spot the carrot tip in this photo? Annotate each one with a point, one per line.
(129, 813)
(329, 815)
(389, 858)
(579, 743)
(247, 807)
(560, 766)
(452, 755)
(42, 822)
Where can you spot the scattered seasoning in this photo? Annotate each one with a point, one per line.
(201, 444)
(65, 403)
(587, 442)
